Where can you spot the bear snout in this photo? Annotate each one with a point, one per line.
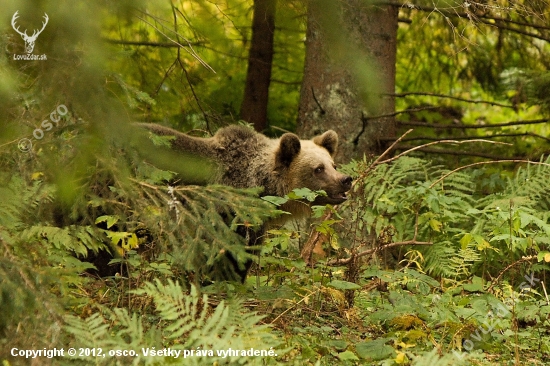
(346, 182)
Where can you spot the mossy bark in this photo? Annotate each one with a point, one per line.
(349, 72)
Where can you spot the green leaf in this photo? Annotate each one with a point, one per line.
(109, 219)
(339, 344)
(374, 350)
(319, 211)
(348, 356)
(277, 201)
(308, 194)
(475, 286)
(435, 225)
(543, 256)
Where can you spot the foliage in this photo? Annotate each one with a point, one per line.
(425, 258)
(193, 331)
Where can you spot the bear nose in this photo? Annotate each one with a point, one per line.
(346, 182)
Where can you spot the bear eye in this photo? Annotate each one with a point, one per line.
(319, 169)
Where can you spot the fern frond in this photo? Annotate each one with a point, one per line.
(77, 239)
(186, 322)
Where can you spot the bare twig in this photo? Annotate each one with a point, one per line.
(459, 153)
(189, 49)
(463, 126)
(293, 306)
(413, 241)
(378, 160)
(316, 101)
(393, 114)
(501, 273)
(431, 138)
(483, 163)
(488, 18)
(166, 74)
(452, 97)
(342, 261)
(205, 116)
(440, 142)
(545, 293)
(148, 44)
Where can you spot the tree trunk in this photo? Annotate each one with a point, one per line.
(349, 72)
(258, 78)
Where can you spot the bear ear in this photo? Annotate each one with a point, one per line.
(289, 147)
(328, 140)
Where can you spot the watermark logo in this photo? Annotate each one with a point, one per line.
(25, 144)
(29, 40)
(490, 321)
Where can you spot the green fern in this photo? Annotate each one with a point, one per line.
(440, 259)
(186, 322)
(400, 195)
(467, 229)
(77, 239)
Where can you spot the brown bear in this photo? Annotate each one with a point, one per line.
(245, 158)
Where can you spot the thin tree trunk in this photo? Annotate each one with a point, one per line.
(258, 78)
(349, 67)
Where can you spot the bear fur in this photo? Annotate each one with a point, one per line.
(246, 158)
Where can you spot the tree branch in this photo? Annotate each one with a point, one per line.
(393, 114)
(424, 146)
(205, 116)
(166, 74)
(378, 161)
(454, 12)
(523, 259)
(399, 95)
(431, 138)
(487, 162)
(461, 126)
(149, 44)
(189, 49)
(413, 241)
(342, 261)
(454, 152)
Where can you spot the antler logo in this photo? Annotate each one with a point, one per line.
(29, 40)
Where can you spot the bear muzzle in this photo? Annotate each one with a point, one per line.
(336, 194)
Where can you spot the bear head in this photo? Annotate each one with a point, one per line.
(309, 164)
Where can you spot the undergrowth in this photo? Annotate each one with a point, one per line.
(423, 266)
